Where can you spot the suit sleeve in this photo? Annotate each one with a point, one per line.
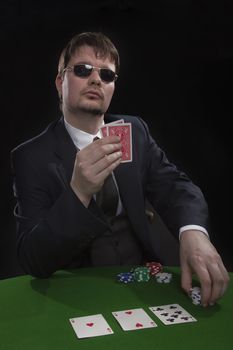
(173, 195)
(50, 233)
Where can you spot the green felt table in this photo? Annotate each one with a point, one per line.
(34, 313)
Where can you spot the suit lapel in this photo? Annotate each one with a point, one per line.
(65, 151)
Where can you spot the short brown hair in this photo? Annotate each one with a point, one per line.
(101, 44)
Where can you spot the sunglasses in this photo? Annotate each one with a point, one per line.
(85, 70)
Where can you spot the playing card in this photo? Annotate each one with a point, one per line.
(124, 131)
(104, 131)
(119, 121)
(134, 319)
(172, 314)
(104, 128)
(90, 326)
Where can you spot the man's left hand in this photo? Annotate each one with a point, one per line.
(199, 256)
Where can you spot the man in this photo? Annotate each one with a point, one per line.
(59, 175)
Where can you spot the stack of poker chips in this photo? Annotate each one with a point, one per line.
(125, 277)
(140, 273)
(195, 295)
(154, 267)
(163, 277)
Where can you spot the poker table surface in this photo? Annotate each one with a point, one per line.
(35, 313)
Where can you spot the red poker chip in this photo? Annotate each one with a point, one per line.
(154, 267)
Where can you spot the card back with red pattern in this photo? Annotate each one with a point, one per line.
(125, 132)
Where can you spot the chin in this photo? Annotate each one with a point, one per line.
(95, 110)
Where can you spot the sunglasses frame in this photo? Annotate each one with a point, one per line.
(92, 68)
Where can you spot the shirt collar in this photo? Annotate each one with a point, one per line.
(80, 138)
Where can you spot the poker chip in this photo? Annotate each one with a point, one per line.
(154, 267)
(163, 277)
(125, 277)
(141, 274)
(195, 295)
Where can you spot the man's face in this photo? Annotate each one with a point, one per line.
(90, 94)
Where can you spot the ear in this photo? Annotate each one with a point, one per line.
(58, 82)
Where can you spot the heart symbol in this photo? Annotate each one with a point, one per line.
(90, 324)
(139, 325)
(128, 312)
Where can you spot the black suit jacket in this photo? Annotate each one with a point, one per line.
(54, 229)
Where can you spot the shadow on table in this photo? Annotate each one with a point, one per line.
(97, 290)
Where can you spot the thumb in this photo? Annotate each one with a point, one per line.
(186, 277)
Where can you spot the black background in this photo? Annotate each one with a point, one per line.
(176, 73)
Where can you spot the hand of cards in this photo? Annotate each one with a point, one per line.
(130, 319)
(124, 130)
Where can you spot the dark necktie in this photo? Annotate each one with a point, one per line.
(107, 198)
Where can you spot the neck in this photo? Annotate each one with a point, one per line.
(85, 122)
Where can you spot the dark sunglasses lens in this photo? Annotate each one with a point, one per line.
(82, 70)
(107, 75)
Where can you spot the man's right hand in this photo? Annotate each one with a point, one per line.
(92, 166)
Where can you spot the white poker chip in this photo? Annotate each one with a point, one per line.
(163, 277)
(195, 295)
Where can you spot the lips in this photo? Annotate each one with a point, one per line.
(94, 93)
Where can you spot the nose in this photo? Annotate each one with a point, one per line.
(94, 78)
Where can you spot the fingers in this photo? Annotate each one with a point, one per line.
(206, 284)
(213, 279)
(186, 278)
(93, 164)
(204, 278)
(101, 157)
(219, 281)
(226, 279)
(108, 163)
(199, 256)
(104, 173)
(101, 148)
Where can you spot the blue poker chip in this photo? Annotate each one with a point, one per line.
(125, 277)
